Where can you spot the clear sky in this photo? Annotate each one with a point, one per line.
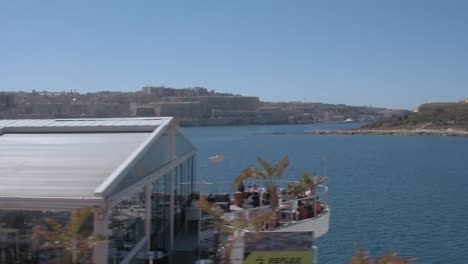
(396, 54)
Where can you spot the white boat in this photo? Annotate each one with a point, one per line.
(216, 158)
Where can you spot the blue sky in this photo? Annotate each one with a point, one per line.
(395, 54)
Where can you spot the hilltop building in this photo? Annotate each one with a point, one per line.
(190, 106)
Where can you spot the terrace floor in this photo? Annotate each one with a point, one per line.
(186, 247)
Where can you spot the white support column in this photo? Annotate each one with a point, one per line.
(194, 165)
(100, 223)
(148, 213)
(170, 134)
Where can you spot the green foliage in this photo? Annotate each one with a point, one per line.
(312, 181)
(429, 116)
(195, 195)
(362, 257)
(268, 175)
(297, 188)
(229, 227)
(69, 241)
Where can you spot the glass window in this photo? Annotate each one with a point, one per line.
(155, 158)
(127, 226)
(181, 144)
(19, 244)
(160, 213)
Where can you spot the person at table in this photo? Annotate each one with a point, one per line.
(241, 187)
(254, 199)
(255, 188)
(284, 195)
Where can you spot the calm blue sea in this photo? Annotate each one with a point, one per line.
(386, 192)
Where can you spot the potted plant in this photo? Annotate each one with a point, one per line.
(296, 189)
(239, 195)
(70, 242)
(231, 228)
(312, 181)
(269, 176)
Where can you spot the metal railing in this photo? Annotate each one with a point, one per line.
(207, 187)
(314, 205)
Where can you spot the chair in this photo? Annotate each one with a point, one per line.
(192, 214)
(291, 211)
(222, 199)
(247, 206)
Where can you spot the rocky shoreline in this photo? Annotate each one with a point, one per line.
(386, 132)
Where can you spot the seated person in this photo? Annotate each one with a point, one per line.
(256, 188)
(241, 187)
(253, 188)
(284, 195)
(211, 198)
(248, 199)
(254, 199)
(265, 198)
(222, 199)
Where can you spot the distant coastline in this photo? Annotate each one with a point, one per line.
(432, 119)
(191, 106)
(385, 132)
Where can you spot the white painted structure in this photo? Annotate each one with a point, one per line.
(319, 224)
(127, 169)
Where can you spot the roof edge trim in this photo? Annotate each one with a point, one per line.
(77, 125)
(117, 175)
(84, 129)
(50, 203)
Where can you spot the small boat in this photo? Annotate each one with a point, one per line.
(216, 158)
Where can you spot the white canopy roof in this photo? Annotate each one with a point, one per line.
(69, 159)
(64, 165)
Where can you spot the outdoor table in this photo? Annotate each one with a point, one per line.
(157, 256)
(286, 209)
(119, 218)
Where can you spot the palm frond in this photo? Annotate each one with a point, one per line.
(77, 219)
(321, 179)
(266, 166)
(281, 166)
(213, 210)
(297, 188)
(393, 258)
(311, 180)
(250, 172)
(363, 257)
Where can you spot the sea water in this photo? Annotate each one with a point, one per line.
(408, 194)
